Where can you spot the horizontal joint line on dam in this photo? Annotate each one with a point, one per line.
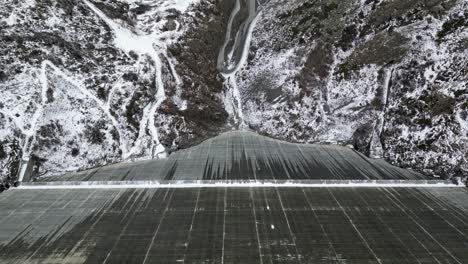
(236, 184)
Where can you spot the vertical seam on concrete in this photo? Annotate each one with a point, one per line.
(389, 228)
(293, 237)
(224, 225)
(320, 224)
(256, 227)
(445, 204)
(157, 229)
(37, 250)
(419, 225)
(427, 250)
(354, 226)
(442, 218)
(268, 208)
(4, 197)
(125, 227)
(191, 224)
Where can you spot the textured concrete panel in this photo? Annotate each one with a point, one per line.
(235, 225)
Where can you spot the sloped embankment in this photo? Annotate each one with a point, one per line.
(249, 156)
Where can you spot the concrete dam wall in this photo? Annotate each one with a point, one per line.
(249, 156)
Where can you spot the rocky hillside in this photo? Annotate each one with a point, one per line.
(390, 77)
(87, 83)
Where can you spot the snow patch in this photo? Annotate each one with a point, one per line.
(180, 5)
(12, 19)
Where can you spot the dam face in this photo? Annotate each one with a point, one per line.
(249, 156)
(237, 198)
(234, 225)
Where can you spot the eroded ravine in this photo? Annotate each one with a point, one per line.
(142, 44)
(233, 54)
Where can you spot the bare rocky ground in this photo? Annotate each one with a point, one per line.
(389, 77)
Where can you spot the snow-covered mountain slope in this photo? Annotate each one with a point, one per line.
(388, 76)
(83, 82)
(88, 82)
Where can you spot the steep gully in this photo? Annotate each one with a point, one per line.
(232, 57)
(143, 45)
(233, 54)
(127, 41)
